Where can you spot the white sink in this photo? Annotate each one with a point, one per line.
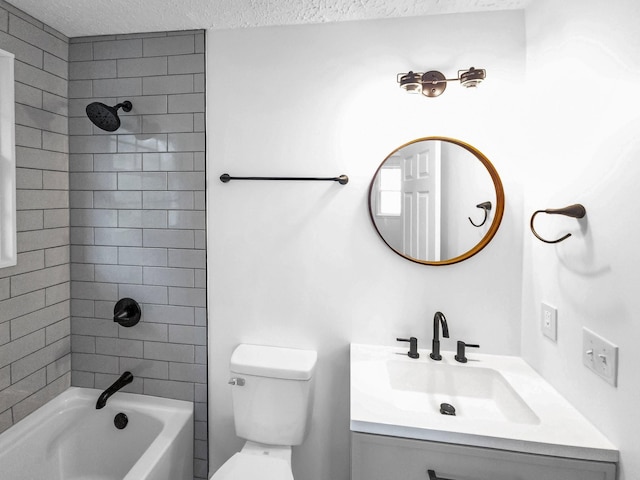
(500, 402)
(475, 393)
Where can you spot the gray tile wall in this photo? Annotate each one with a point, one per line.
(35, 352)
(137, 208)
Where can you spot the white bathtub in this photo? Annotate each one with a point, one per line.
(68, 439)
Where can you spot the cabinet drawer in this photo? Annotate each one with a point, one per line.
(376, 457)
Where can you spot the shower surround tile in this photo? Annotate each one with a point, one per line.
(108, 50)
(34, 294)
(136, 203)
(101, 216)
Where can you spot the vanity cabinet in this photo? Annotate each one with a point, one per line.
(378, 457)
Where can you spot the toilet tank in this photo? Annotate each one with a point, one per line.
(273, 393)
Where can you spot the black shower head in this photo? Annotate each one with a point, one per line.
(106, 117)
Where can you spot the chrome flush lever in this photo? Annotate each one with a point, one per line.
(236, 381)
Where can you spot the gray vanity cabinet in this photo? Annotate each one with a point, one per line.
(377, 457)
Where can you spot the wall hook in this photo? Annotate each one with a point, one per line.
(575, 211)
(486, 206)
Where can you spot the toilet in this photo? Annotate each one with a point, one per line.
(272, 392)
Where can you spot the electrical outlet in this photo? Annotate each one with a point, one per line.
(549, 321)
(600, 356)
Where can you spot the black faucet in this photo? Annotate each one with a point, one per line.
(413, 346)
(460, 354)
(125, 379)
(438, 319)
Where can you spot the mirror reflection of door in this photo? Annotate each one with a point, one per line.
(421, 208)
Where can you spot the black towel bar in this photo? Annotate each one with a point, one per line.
(342, 179)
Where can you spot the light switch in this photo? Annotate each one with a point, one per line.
(600, 356)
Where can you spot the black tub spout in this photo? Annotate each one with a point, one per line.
(125, 379)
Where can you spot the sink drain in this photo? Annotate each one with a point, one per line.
(447, 409)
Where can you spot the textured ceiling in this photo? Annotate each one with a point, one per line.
(76, 18)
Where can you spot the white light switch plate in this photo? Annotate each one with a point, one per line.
(600, 355)
(549, 321)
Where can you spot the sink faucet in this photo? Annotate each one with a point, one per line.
(438, 319)
(125, 379)
(413, 346)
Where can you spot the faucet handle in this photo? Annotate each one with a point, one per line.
(413, 346)
(127, 312)
(460, 355)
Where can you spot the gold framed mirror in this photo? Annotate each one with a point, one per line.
(436, 200)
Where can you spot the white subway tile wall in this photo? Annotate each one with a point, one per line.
(35, 350)
(137, 217)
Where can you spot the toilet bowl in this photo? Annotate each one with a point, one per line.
(257, 461)
(272, 392)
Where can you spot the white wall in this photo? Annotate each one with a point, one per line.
(299, 264)
(583, 66)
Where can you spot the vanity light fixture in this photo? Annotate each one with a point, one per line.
(433, 83)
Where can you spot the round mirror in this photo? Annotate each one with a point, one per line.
(436, 201)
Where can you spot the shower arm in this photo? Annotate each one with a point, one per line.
(126, 106)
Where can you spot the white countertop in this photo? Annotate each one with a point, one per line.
(557, 428)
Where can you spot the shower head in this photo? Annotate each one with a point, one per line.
(106, 117)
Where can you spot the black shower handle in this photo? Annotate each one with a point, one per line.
(127, 312)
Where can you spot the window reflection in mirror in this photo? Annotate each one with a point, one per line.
(390, 192)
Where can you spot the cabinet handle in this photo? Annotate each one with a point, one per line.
(433, 476)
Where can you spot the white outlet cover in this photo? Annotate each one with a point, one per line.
(549, 321)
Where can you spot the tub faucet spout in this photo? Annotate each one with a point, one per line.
(125, 379)
(438, 319)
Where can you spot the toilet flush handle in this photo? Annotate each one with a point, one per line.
(236, 381)
(433, 476)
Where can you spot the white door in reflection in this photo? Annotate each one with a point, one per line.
(421, 200)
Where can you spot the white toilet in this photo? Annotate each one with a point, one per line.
(272, 403)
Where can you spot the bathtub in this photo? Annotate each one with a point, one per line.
(68, 439)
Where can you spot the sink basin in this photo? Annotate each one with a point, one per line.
(500, 402)
(479, 393)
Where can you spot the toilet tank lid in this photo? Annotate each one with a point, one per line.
(273, 362)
